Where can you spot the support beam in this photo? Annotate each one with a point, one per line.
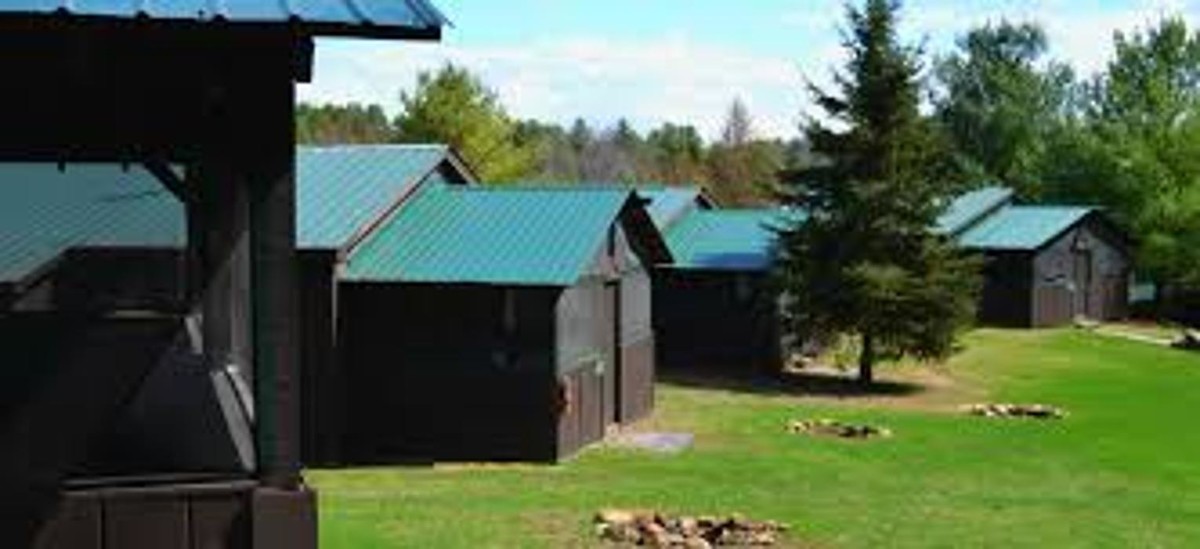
(276, 321)
(242, 241)
(169, 179)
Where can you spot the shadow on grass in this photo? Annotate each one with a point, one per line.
(816, 384)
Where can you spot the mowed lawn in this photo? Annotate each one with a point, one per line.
(1123, 470)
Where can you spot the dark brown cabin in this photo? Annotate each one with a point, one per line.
(715, 307)
(1044, 266)
(498, 324)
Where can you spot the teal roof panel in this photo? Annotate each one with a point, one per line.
(505, 236)
(668, 204)
(1022, 228)
(726, 240)
(340, 190)
(44, 211)
(971, 207)
(384, 18)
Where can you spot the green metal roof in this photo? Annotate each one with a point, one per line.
(45, 211)
(971, 207)
(1022, 228)
(510, 236)
(341, 190)
(385, 18)
(668, 204)
(726, 240)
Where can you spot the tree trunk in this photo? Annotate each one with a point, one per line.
(866, 360)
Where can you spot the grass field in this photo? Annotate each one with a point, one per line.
(1123, 470)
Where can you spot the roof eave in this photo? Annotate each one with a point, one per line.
(297, 26)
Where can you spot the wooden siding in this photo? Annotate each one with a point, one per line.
(230, 515)
(1006, 297)
(322, 386)
(636, 360)
(432, 373)
(715, 320)
(1084, 272)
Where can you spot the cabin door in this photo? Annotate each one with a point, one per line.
(1083, 284)
(609, 324)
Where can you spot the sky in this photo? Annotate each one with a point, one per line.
(685, 61)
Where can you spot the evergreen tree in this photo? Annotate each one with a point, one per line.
(865, 260)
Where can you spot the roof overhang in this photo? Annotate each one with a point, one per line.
(385, 19)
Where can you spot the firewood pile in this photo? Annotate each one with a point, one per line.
(1034, 411)
(652, 529)
(837, 429)
(1189, 341)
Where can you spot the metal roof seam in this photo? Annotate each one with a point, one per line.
(406, 193)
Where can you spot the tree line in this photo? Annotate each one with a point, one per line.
(452, 105)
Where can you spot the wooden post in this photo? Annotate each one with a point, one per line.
(274, 268)
(247, 256)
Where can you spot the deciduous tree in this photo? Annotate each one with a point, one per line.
(453, 106)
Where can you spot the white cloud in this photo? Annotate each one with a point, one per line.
(677, 78)
(670, 79)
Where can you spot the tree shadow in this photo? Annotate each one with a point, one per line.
(798, 383)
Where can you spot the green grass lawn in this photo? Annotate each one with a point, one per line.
(1123, 470)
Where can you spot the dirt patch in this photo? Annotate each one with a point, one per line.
(652, 529)
(836, 429)
(656, 442)
(1030, 411)
(924, 388)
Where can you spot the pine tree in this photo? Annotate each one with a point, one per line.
(865, 261)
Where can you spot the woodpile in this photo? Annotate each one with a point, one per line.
(1035, 411)
(652, 529)
(837, 429)
(1189, 341)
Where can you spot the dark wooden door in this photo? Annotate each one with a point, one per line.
(1083, 284)
(609, 325)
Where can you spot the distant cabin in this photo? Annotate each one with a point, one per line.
(714, 305)
(499, 324)
(1044, 265)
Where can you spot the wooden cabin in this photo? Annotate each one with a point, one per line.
(499, 324)
(1045, 265)
(714, 305)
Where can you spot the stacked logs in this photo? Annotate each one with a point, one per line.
(1034, 411)
(1189, 341)
(651, 529)
(837, 429)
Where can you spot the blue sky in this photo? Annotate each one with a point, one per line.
(684, 61)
